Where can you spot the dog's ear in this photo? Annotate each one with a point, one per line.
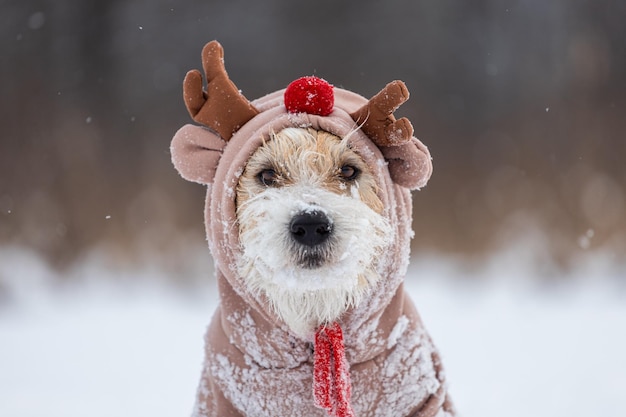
(410, 164)
(408, 159)
(221, 107)
(196, 151)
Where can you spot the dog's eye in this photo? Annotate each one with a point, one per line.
(348, 172)
(268, 177)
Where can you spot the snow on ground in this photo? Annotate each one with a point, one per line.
(129, 342)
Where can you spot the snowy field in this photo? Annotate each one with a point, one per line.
(129, 342)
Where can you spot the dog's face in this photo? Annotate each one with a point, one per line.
(310, 227)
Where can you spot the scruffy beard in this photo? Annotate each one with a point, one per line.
(310, 286)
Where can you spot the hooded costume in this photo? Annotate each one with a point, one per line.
(377, 360)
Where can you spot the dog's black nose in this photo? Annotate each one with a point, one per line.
(310, 228)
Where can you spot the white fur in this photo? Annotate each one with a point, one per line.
(308, 297)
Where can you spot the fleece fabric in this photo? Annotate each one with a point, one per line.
(254, 366)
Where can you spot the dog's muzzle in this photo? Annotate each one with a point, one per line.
(311, 233)
(310, 228)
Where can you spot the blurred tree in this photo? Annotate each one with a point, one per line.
(520, 102)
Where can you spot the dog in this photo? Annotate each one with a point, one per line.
(308, 219)
(311, 227)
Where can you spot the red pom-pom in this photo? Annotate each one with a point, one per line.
(310, 95)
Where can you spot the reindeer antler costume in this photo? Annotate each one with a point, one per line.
(254, 366)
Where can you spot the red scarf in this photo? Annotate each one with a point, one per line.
(331, 375)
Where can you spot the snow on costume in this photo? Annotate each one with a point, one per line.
(377, 360)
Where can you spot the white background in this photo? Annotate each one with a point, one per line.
(128, 342)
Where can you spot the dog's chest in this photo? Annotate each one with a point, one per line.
(391, 384)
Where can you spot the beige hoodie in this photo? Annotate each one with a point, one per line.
(254, 366)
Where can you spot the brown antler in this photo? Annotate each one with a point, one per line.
(377, 117)
(221, 106)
